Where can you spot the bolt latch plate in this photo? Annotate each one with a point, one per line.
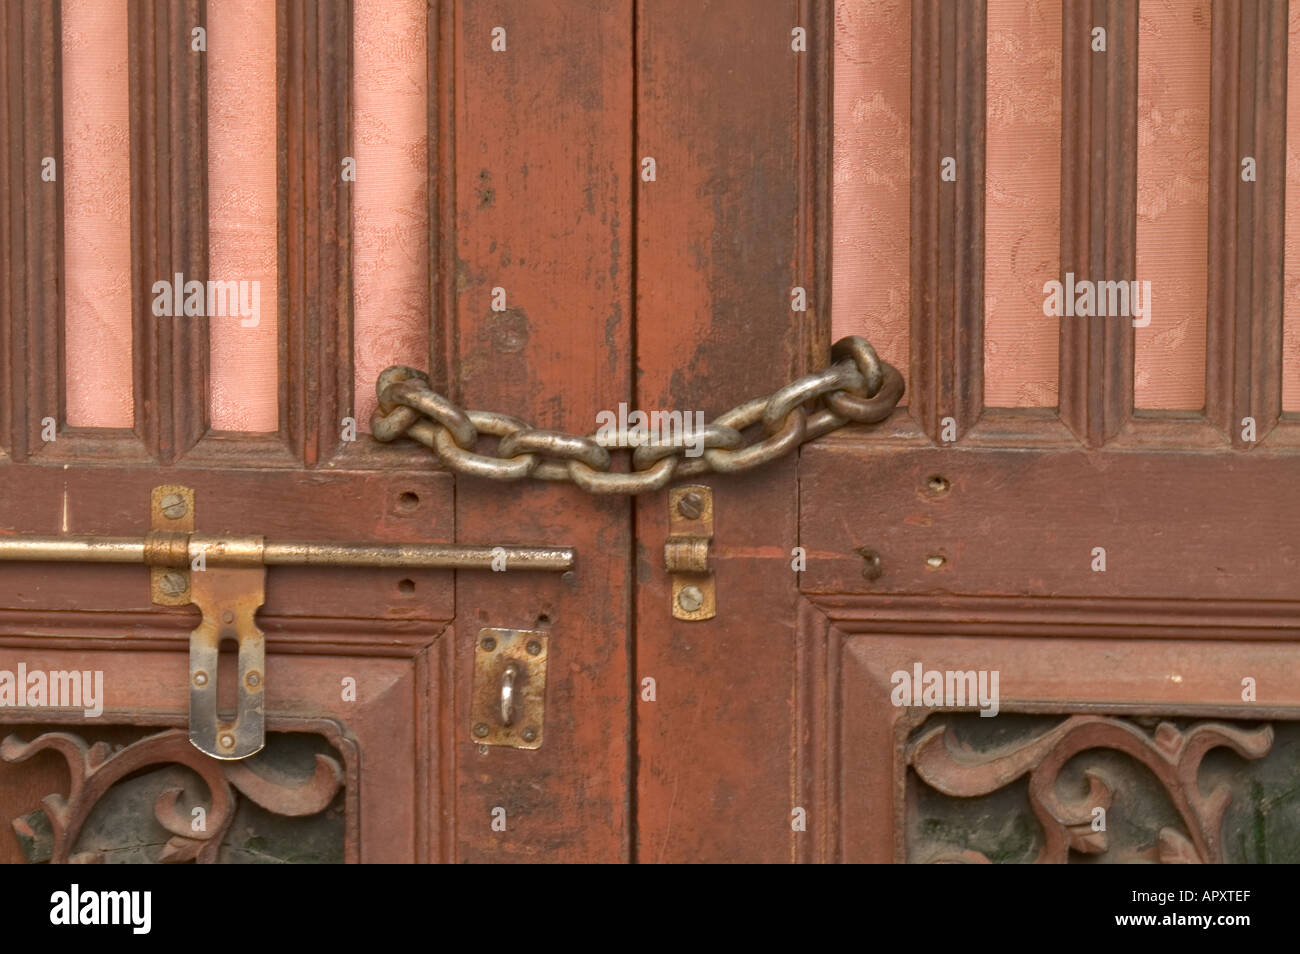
(508, 705)
(686, 552)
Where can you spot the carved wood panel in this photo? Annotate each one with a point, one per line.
(1188, 748)
(136, 802)
(350, 729)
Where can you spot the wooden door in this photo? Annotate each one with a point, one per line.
(605, 204)
(524, 174)
(1123, 572)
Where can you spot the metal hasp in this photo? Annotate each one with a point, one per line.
(226, 580)
(509, 693)
(686, 553)
(225, 577)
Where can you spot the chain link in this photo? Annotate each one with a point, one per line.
(857, 387)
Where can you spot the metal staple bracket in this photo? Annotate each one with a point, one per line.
(508, 705)
(686, 552)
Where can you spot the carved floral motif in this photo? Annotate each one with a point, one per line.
(94, 769)
(1172, 755)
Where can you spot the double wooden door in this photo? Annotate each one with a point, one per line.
(648, 185)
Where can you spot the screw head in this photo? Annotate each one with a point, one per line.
(529, 734)
(871, 569)
(253, 679)
(690, 598)
(200, 679)
(481, 730)
(227, 741)
(534, 647)
(935, 562)
(173, 506)
(938, 485)
(228, 617)
(691, 505)
(488, 644)
(173, 584)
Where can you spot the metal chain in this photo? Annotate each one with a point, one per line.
(857, 387)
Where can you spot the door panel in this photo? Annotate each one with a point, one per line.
(386, 752)
(1166, 736)
(725, 235)
(543, 185)
(529, 170)
(1119, 570)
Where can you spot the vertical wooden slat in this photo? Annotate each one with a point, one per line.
(722, 234)
(31, 214)
(315, 215)
(947, 305)
(1243, 376)
(1098, 210)
(814, 168)
(814, 242)
(544, 175)
(169, 221)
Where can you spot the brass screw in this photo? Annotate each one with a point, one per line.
(938, 485)
(227, 617)
(173, 506)
(173, 584)
(872, 569)
(691, 505)
(533, 647)
(529, 734)
(935, 562)
(253, 679)
(481, 730)
(690, 598)
(488, 644)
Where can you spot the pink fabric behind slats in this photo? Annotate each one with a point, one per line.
(96, 182)
(1291, 312)
(1173, 201)
(1022, 202)
(390, 209)
(242, 210)
(870, 279)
